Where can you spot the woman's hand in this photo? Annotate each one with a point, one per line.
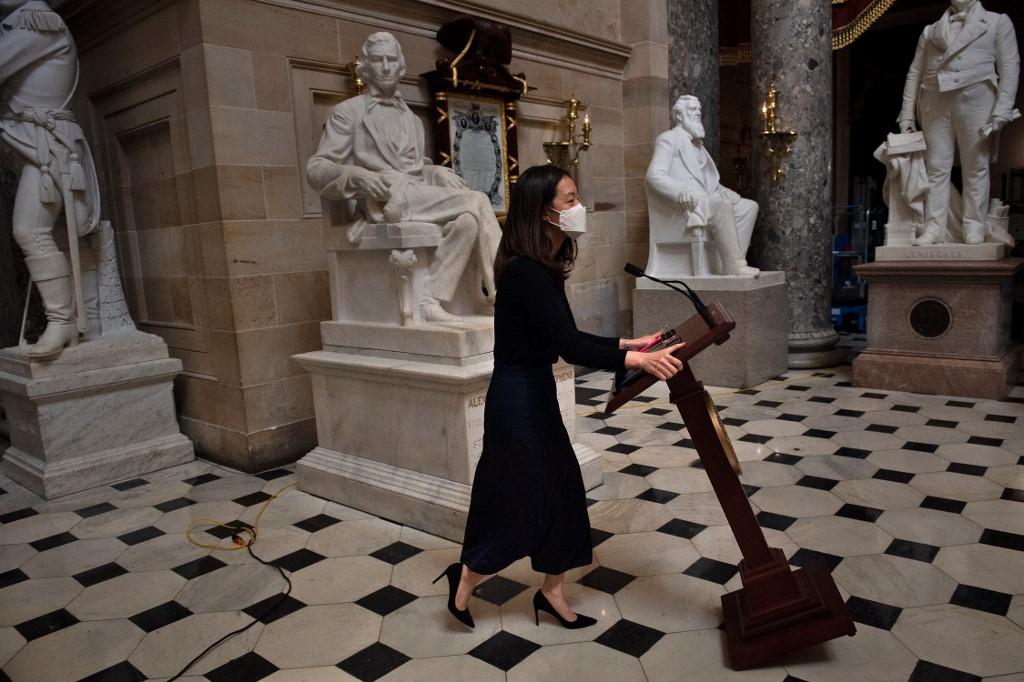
(639, 342)
(661, 364)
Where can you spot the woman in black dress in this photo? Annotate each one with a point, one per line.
(528, 497)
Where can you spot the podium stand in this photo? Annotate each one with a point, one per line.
(778, 610)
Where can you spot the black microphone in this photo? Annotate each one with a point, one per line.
(702, 309)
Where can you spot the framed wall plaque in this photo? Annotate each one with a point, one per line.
(477, 137)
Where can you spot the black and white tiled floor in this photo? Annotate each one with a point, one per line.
(916, 502)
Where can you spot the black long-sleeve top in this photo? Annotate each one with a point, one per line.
(534, 326)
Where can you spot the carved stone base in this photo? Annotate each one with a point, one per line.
(102, 412)
(941, 252)
(939, 327)
(756, 350)
(400, 426)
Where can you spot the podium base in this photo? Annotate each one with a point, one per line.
(751, 644)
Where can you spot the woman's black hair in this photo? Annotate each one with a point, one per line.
(524, 233)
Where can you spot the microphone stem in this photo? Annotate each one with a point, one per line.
(702, 309)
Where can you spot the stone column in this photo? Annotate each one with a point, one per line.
(693, 60)
(791, 48)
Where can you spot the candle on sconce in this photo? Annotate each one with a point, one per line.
(586, 128)
(764, 118)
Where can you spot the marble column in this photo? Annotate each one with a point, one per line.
(693, 60)
(791, 49)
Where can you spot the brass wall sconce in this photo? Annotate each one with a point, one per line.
(566, 153)
(778, 143)
(353, 72)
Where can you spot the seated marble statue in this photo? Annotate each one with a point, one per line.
(371, 154)
(686, 203)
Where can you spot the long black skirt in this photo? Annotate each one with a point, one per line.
(528, 497)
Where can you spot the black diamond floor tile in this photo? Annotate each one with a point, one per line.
(748, 391)
(504, 650)
(498, 590)
(797, 387)
(610, 431)
(821, 399)
(95, 510)
(873, 613)
(767, 403)
(645, 399)
(396, 552)
(638, 470)
(671, 426)
(201, 479)
(712, 570)
(318, 522)
(819, 433)
(682, 529)
(280, 605)
(881, 428)
(656, 495)
(920, 447)
(983, 440)
(817, 482)
(228, 529)
(1002, 418)
(859, 513)
(943, 504)
(12, 577)
(252, 498)
(373, 662)
(159, 616)
(893, 475)
(198, 567)
(622, 448)
(272, 474)
(999, 538)
(733, 421)
(783, 458)
(855, 453)
(849, 413)
(941, 423)
(1013, 494)
(912, 550)
(959, 403)
(129, 484)
(606, 579)
(251, 667)
(687, 443)
(876, 396)
(750, 489)
(600, 416)
(634, 639)
(99, 574)
(981, 599)
(791, 417)
(969, 469)
(298, 560)
(176, 503)
(140, 535)
(52, 541)
(45, 624)
(807, 557)
(905, 408)
(597, 536)
(926, 671)
(657, 411)
(11, 517)
(122, 672)
(774, 521)
(385, 600)
(754, 438)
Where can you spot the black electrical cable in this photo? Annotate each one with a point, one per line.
(281, 599)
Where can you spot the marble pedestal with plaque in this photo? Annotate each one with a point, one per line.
(758, 347)
(939, 326)
(101, 412)
(400, 419)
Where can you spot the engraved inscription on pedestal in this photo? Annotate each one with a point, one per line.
(930, 318)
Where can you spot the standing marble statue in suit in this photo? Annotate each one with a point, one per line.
(683, 194)
(372, 155)
(961, 85)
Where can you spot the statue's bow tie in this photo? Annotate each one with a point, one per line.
(959, 16)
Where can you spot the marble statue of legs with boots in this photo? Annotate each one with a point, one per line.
(732, 233)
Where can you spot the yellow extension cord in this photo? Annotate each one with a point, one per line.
(253, 532)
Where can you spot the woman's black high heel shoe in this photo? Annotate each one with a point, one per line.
(541, 603)
(454, 574)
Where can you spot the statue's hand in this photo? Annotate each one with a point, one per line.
(368, 183)
(908, 126)
(687, 201)
(994, 125)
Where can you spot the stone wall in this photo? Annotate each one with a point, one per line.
(202, 114)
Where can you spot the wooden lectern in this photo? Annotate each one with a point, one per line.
(778, 610)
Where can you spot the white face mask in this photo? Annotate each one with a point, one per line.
(572, 221)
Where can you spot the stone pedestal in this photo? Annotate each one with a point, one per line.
(400, 418)
(939, 327)
(942, 252)
(102, 412)
(757, 348)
